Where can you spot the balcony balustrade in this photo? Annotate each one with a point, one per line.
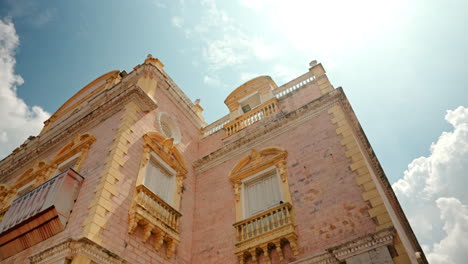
(258, 113)
(39, 214)
(270, 229)
(156, 217)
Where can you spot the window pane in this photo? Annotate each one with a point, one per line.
(159, 181)
(262, 193)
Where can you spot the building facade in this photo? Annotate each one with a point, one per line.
(127, 171)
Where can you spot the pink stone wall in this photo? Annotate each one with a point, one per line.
(288, 103)
(328, 204)
(130, 246)
(91, 169)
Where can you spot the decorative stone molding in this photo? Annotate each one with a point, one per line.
(39, 172)
(258, 161)
(74, 104)
(6, 196)
(166, 150)
(282, 124)
(80, 144)
(103, 105)
(357, 246)
(110, 174)
(382, 179)
(271, 228)
(72, 249)
(158, 217)
(363, 244)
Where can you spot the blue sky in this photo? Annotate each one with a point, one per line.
(402, 64)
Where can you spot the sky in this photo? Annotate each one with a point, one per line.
(402, 64)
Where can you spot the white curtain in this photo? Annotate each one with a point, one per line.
(262, 193)
(159, 181)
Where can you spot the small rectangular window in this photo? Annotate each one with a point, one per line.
(246, 108)
(250, 102)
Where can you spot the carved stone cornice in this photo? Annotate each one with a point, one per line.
(258, 161)
(321, 258)
(171, 89)
(363, 244)
(282, 123)
(72, 248)
(351, 248)
(108, 103)
(375, 164)
(164, 148)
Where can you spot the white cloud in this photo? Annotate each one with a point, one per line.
(327, 27)
(224, 43)
(452, 248)
(433, 193)
(224, 52)
(214, 81)
(177, 21)
(18, 120)
(283, 73)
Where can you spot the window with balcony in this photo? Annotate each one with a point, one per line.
(71, 155)
(39, 213)
(159, 186)
(264, 212)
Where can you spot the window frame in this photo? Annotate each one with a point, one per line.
(170, 170)
(254, 165)
(255, 177)
(157, 146)
(246, 98)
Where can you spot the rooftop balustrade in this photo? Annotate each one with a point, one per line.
(258, 113)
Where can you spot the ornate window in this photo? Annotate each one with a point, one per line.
(160, 179)
(264, 213)
(70, 156)
(261, 192)
(158, 192)
(73, 154)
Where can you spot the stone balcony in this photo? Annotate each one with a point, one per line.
(258, 113)
(268, 230)
(156, 217)
(39, 214)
